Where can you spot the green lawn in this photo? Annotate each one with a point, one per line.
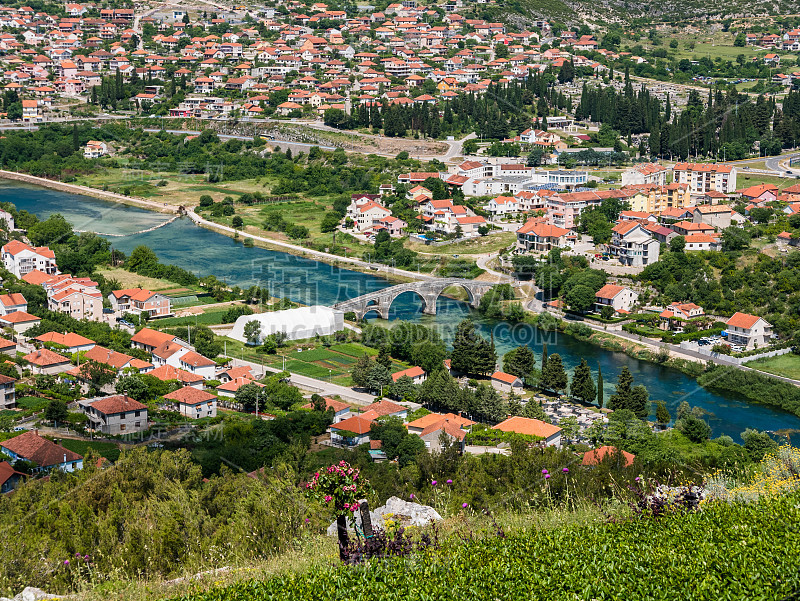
(32, 402)
(210, 317)
(353, 349)
(787, 365)
(109, 450)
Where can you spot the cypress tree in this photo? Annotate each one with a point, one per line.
(582, 386)
(544, 356)
(553, 375)
(623, 396)
(600, 392)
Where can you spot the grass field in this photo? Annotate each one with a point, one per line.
(128, 279)
(475, 246)
(209, 317)
(32, 402)
(787, 365)
(109, 450)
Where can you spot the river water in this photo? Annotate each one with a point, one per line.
(311, 282)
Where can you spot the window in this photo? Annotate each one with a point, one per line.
(136, 414)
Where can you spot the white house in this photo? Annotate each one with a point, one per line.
(749, 331)
(20, 258)
(115, 415)
(506, 382)
(180, 357)
(416, 373)
(704, 177)
(352, 431)
(633, 245)
(645, 173)
(193, 403)
(619, 298)
(94, 149)
(9, 303)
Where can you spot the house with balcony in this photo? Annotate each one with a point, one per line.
(138, 300)
(704, 177)
(541, 237)
(675, 316)
(193, 403)
(749, 331)
(115, 415)
(633, 245)
(645, 173)
(20, 258)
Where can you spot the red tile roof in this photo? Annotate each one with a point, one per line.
(609, 291)
(45, 358)
(190, 396)
(742, 320)
(15, 298)
(19, 317)
(411, 372)
(357, 424)
(117, 404)
(167, 372)
(504, 377)
(528, 426)
(595, 456)
(41, 451)
(385, 407)
(149, 337)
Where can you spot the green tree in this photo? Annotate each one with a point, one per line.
(250, 394)
(621, 399)
(640, 401)
(580, 298)
(56, 411)
(378, 377)
(662, 413)
(404, 389)
(134, 386)
(472, 354)
(554, 377)
(740, 40)
(252, 331)
(520, 362)
(582, 386)
(361, 370)
(330, 222)
(600, 390)
(53, 230)
(677, 244)
(694, 428)
(237, 222)
(758, 443)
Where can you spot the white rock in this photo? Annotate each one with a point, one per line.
(30, 593)
(402, 512)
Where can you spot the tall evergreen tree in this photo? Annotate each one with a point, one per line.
(554, 377)
(472, 354)
(600, 391)
(623, 396)
(544, 356)
(582, 386)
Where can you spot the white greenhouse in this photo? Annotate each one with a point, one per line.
(297, 324)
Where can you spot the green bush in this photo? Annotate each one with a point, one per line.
(730, 551)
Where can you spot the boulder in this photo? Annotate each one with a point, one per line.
(30, 593)
(402, 512)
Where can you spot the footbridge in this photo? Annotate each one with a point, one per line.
(428, 290)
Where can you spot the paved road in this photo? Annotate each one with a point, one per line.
(313, 385)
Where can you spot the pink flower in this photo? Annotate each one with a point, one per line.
(354, 508)
(411, 496)
(565, 470)
(449, 482)
(464, 505)
(307, 520)
(637, 478)
(546, 476)
(544, 471)
(433, 483)
(66, 562)
(328, 498)
(86, 558)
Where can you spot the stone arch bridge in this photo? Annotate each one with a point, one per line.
(428, 290)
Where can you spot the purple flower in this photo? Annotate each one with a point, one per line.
(547, 476)
(86, 558)
(77, 554)
(307, 520)
(433, 483)
(544, 471)
(449, 482)
(565, 470)
(637, 478)
(411, 496)
(464, 505)
(66, 562)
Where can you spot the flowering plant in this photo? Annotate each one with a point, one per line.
(339, 486)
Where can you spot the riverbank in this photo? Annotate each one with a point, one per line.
(87, 191)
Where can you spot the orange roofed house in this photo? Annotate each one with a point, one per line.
(20, 258)
(193, 403)
(114, 415)
(633, 245)
(46, 454)
(138, 300)
(540, 237)
(619, 298)
(532, 427)
(750, 331)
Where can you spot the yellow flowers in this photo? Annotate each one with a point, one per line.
(777, 474)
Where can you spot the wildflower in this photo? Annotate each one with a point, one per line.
(433, 483)
(547, 476)
(565, 470)
(449, 482)
(307, 520)
(544, 471)
(464, 505)
(638, 478)
(411, 496)
(85, 558)
(328, 498)
(66, 562)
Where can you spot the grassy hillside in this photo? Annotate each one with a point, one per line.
(723, 551)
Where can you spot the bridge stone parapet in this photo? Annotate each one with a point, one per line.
(428, 291)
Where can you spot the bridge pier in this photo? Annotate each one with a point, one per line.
(429, 304)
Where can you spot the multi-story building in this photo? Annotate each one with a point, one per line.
(541, 237)
(619, 298)
(115, 414)
(8, 396)
(138, 300)
(20, 258)
(750, 331)
(633, 245)
(645, 173)
(704, 177)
